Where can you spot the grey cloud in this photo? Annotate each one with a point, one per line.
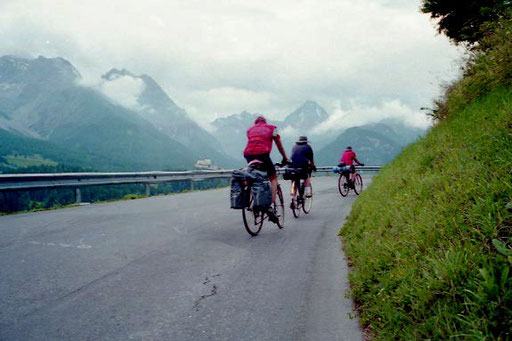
(216, 58)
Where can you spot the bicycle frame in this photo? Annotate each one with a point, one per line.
(351, 184)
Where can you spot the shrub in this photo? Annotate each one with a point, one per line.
(488, 66)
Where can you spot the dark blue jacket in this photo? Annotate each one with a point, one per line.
(302, 156)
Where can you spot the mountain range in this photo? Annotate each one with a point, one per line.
(41, 99)
(377, 143)
(129, 123)
(374, 144)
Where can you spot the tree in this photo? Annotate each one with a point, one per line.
(461, 20)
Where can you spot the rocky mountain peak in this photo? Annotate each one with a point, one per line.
(116, 73)
(306, 116)
(153, 96)
(41, 70)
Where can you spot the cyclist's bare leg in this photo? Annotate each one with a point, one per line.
(293, 190)
(352, 175)
(307, 184)
(273, 183)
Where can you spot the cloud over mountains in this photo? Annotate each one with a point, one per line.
(124, 90)
(358, 114)
(224, 56)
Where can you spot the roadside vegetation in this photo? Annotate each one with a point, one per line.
(430, 242)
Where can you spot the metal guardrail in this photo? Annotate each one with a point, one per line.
(16, 182)
(328, 169)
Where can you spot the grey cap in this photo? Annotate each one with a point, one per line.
(302, 139)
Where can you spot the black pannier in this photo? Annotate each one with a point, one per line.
(295, 173)
(261, 191)
(260, 188)
(239, 199)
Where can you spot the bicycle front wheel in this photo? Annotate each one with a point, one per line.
(358, 184)
(253, 220)
(280, 207)
(343, 186)
(308, 201)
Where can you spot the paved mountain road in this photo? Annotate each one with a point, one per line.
(178, 267)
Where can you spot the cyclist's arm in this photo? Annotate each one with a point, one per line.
(311, 158)
(356, 160)
(277, 140)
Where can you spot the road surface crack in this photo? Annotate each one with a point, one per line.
(213, 292)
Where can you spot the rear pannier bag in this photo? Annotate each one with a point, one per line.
(295, 173)
(261, 191)
(239, 199)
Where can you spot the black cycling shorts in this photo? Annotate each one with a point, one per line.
(268, 165)
(349, 171)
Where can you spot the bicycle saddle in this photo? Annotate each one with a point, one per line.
(256, 164)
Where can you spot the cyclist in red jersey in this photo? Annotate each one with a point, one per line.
(348, 159)
(259, 145)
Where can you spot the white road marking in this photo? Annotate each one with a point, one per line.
(82, 245)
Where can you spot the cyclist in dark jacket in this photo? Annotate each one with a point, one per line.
(302, 158)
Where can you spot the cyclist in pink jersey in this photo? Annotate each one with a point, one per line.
(259, 145)
(347, 159)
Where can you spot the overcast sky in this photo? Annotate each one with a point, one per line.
(360, 59)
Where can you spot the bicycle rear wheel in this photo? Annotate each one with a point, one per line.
(343, 185)
(307, 201)
(253, 221)
(358, 184)
(280, 207)
(295, 204)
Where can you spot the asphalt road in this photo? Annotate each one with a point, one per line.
(178, 267)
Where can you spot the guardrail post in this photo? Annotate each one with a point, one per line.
(147, 190)
(192, 185)
(78, 195)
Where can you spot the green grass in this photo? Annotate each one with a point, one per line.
(29, 160)
(429, 241)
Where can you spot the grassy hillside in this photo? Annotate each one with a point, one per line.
(430, 241)
(21, 151)
(94, 125)
(425, 239)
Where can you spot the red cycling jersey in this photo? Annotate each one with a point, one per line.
(348, 157)
(260, 137)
